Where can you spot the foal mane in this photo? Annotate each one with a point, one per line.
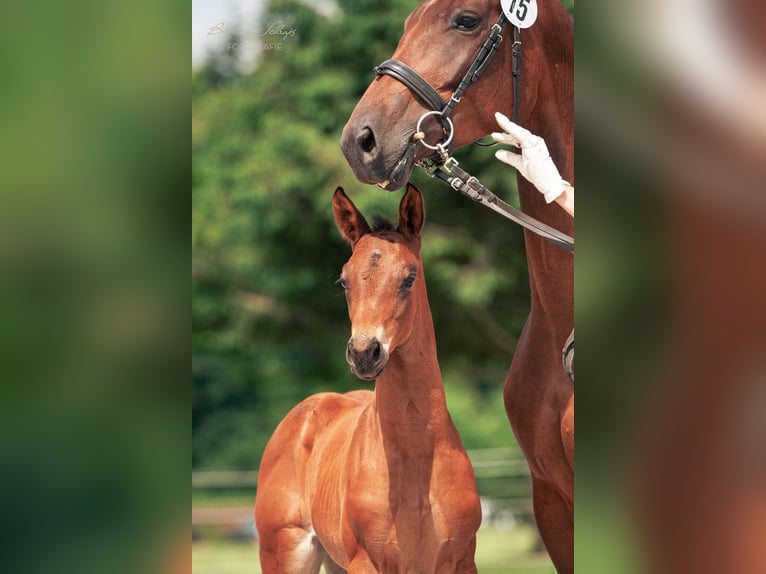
(381, 224)
(384, 228)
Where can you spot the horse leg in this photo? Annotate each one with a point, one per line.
(568, 432)
(290, 550)
(467, 564)
(555, 523)
(466, 567)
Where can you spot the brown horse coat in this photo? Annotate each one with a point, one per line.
(373, 481)
(441, 39)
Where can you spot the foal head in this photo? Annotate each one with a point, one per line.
(383, 280)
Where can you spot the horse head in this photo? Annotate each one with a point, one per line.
(440, 42)
(383, 280)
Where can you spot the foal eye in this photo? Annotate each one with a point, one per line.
(409, 281)
(467, 22)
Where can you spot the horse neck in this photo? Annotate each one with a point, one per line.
(546, 109)
(409, 394)
(547, 85)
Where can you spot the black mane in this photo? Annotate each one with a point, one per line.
(384, 229)
(381, 224)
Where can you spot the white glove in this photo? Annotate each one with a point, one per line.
(534, 162)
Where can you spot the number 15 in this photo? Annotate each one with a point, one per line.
(521, 13)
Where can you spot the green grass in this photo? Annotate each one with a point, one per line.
(511, 552)
(498, 552)
(225, 558)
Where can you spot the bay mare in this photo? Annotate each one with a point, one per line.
(441, 38)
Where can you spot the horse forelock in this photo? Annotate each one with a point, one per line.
(383, 228)
(381, 224)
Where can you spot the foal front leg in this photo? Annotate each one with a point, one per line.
(361, 564)
(290, 550)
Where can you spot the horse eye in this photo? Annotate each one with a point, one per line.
(343, 283)
(409, 281)
(466, 22)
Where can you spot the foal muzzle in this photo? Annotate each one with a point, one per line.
(366, 357)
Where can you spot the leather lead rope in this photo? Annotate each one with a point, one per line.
(460, 180)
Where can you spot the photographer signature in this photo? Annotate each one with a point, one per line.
(278, 28)
(215, 30)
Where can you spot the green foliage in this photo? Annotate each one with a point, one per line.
(269, 325)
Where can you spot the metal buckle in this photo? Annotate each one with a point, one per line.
(449, 163)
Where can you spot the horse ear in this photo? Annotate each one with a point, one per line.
(411, 212)
(350, 221)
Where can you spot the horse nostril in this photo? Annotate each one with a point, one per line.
(366, 140)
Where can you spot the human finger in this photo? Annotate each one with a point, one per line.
(505, 139)
(512, 159)
(513, 129)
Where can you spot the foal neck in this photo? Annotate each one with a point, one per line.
(409, 393)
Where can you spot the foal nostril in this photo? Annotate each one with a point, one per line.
(375, 351)
(366, 140)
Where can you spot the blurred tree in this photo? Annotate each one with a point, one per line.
(269, 325)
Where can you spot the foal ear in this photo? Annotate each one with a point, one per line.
(411, 212)
(350, 221)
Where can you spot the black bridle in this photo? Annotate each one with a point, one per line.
(431, 98)
(444, 167)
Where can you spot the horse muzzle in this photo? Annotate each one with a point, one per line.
(366, 357)
(375, 158)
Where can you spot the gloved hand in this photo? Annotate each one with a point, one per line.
(534, 162)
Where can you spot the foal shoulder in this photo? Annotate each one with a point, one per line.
(363, 396)
(326, 409)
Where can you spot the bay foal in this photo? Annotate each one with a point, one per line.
(373, 481)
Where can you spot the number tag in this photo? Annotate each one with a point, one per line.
(521, 13)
